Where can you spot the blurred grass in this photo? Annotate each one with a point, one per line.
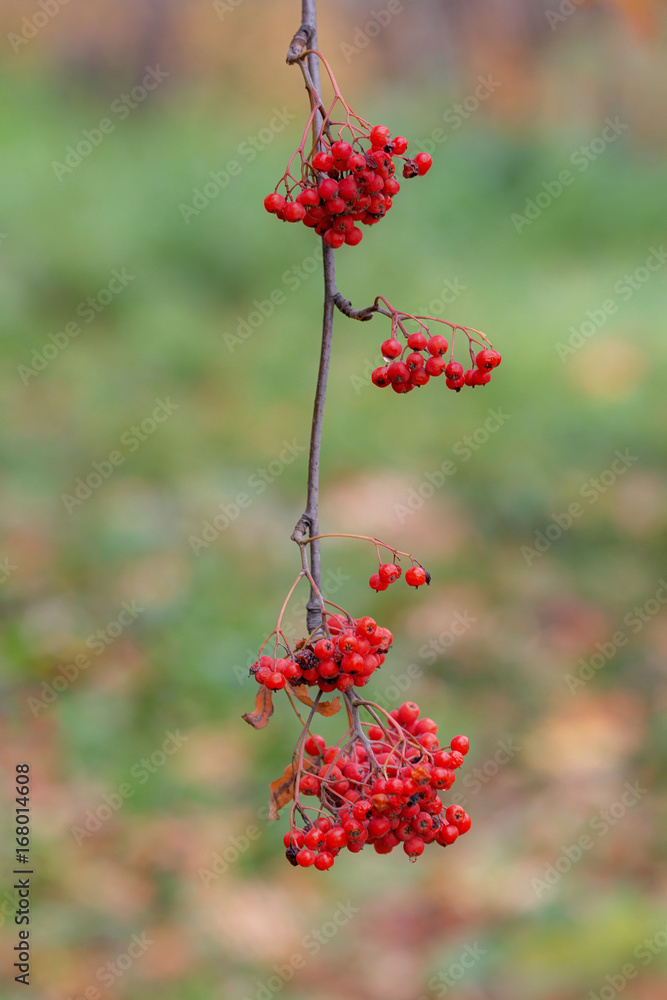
(164, 337)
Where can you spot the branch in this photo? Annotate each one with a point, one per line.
(346, 308)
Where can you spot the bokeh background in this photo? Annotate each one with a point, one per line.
(133, 325)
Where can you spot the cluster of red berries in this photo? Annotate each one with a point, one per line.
(388, 573)
(403, 808)
(423, 358)
(344, 184)
(352, 652)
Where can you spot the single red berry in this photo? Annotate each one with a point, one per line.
(487, 359)
(275, 681)
(426, 725)
(344, 682)
(413, 848)
(262, 675)
(291, 671)
(341, 150)
(389, 572)
(294, 838)
(323, 161)
(417, 342)
(294, 212)
(414, 360)
(435, 366)
(362, 809)
(347, 643)
(416, 576)
(310, 785)
(334, 206)
(323, 861)
(356, 163)
(454, 369)
(328, 669)
(324, 648)
(274, 202)
(409, 710)
(460, 743)
(391, 348)
(419, 376)
(469, 375)
(335, 838)
(308, 196)
(380, 135)
(447, 834)
(424, 163)
(455, 383)
(353, 236)
(313, 838)
(481, 376)
(305, 858)
(454, 814)
(464, 824)
(398, 372)
(391, 188)
(375, 583)
(327, 189)
(380, 376)
(333, 238)
(314, 745)
(437, 344)
(400, 144)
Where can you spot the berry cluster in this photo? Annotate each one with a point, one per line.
(347, 657)
(344, 183)
(388, 573)
(422, 358)
(399, 805)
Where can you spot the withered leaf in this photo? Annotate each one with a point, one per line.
(325, 708)
(263, 709)
(282, 789)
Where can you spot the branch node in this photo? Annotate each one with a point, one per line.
(299, 43)
(346, 308)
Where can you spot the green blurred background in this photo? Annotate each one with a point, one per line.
(552, 662)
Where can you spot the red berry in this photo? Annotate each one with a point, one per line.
(435, 366)
(334, 206)
(389, 572)
(391, 187)
(305, 858)
(362, 809)
(424, 163)
(274, 202)
(356, 163)
(487, 359)
(308, 196)
(380, 135)
(416, 576)
(469, 375)
(341, 150)
(294, 212)
(323, 861)
(323, 161)
(327, 189)
(334, 239)
(310, 785)
(414, 360)
(275, 681)
(460, 743)
(447, 834)
(455, 383)
(344, 682)
(391, 348)
(464, 824)
(454, 369)
(413, 848)
(437, 344)
(380, 376)
(314, 745)
(426, 726)
(335, 838)
(454, 814)
(354, 236)
(375, 583)
(409, 710)
(419, 377)
(398, 372)
(400, 145)
(314, 838)
(417, 342)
